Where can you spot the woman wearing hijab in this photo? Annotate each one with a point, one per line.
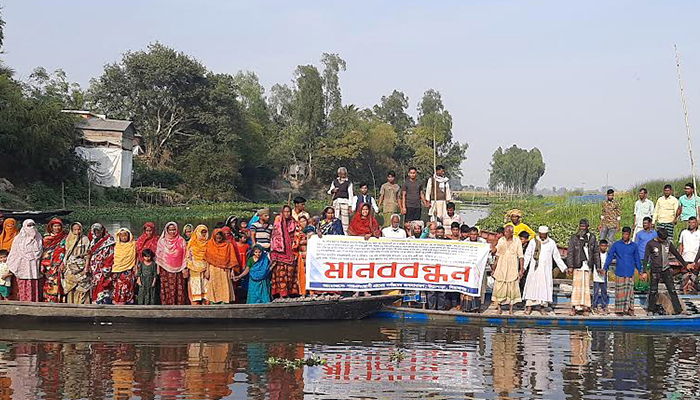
(329, 224)
(258, 270)
(171, 259)
(52, 259)
(123, 273)
(219, 255)
(100, 261)
(187, 232)
(9, 232)
(284, 271)
(364, 223)
(24, 259)
(75, 280)
(197, 265)
(147, 240)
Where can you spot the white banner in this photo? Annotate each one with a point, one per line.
(348, 263)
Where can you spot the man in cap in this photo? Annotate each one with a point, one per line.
(262, 229)
(539, 257)
(514, 218)
(583, 256)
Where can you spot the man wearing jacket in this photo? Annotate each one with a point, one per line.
(656, 253)
(583, 256)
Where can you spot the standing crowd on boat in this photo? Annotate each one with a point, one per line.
(262, 259)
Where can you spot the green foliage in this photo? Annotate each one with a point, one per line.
(38, 141)
(145, 175)
(55, 87)
(516, 170)
(296, 363)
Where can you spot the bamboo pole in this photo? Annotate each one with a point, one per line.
(687, 124)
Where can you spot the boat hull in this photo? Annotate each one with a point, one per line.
(594, 321)
(340, 309)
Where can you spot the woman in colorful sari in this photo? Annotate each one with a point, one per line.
(197, 265)
(364, 224)
(299, 248)
(220, 259)
(147, 240)
(24, 261)
(284, 270)
(123, 269)
(100, 261)
(171, 257)
(329, 224)
(76, 280)
(258, 271)
(51, 261)
(187, 232)
(9, 232)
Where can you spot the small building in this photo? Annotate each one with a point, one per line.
(108, 144)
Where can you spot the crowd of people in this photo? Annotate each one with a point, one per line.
(261, 259)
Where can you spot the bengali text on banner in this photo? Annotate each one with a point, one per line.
(347, 263)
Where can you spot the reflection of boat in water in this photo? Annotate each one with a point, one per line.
(336, 309)
(38, 216)
(558, 318)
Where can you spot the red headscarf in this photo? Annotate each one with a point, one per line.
(364, 226)
(147, 241)
(281, 241)
(51, 240)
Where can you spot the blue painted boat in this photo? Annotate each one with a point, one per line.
(661, 322)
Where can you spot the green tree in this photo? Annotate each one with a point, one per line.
(160, 89)
(433, 137)
(332, 96)
(392, 110)
(55, 87)
(516, 170)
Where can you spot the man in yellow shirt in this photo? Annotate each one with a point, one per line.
(665, 216)
(515, 216)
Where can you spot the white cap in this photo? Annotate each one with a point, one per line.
(543, 229)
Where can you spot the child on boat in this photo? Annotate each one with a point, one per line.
(146, 279)
(5, 276)
(258, 269)
(600, 282)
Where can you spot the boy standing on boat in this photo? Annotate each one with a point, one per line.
(507, 270)
(626, 254)
(600, 282)
(656, 255)
(538, 260)
(412, 197)
(688, 204)
(389, 198)
(582, 257)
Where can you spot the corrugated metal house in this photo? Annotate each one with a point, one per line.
(108, 144)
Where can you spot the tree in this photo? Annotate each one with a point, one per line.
(55, 87)
(516, 170)
(160, 89)
(433, 138)
(392, 110)
(2, 30)
(332, 97)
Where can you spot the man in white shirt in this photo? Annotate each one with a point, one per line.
(690, 241)
(438, 193)
(451, 216)
(541, 255)
(642, 208)
(395, 231)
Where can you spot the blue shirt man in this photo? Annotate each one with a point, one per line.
(644, 236)
(627, 255)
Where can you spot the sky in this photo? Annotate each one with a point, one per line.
(591, 84)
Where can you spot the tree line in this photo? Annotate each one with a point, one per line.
(217, 135)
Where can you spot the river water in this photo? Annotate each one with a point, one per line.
(439, 361)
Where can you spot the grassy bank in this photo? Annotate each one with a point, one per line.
(196, 212)
(562, 216)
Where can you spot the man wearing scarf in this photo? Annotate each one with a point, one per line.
(539, 257)
(341, 190)
(438, 193)
(583, 256)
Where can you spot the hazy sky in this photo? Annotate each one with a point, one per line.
(592, 84)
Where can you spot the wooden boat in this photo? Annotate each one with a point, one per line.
(558, 318)
(37, 216)
(318, 309)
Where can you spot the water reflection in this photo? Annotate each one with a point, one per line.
(439, 361)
